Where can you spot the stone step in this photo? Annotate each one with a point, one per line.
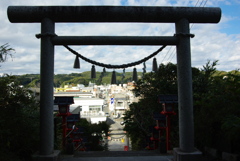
(116, 153)
(118, 156)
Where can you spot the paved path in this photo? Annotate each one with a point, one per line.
(117, 136)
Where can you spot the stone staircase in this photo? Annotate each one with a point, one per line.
(117, 156)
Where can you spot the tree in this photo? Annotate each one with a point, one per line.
(93, 142)
(19, 117)
(5, 51)
(216, 108)
(216, 98)
(139, 118)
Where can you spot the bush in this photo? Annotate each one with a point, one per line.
(19, 120)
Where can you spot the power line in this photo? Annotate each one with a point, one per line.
(172, 54)
(196, 3)
(200, 6)
(203, 4)
(166, 54)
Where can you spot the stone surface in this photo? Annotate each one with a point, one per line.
(212, 152)
(186, 156)
(230, 157)
(117, 156)
(51, 157)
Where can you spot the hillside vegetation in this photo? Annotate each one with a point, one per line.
(33, 80)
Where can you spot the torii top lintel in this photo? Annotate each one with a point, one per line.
(149, 14)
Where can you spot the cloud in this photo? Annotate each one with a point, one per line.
(211, 42)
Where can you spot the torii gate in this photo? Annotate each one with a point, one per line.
(181, 16)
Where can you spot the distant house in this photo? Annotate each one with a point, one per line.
(90, 108)
(87, 89)
(117, 89)
(96, 102)
(121, 101)
(75, 94)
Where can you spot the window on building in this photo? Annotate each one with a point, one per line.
(95, 108)
(119, 104)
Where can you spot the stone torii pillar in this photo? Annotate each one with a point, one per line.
(181, 16)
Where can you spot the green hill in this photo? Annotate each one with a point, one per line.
(33, 80)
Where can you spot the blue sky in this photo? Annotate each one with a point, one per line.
(233, 12)
(211, 42)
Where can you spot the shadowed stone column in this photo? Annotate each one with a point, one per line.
(46, 93)
(186, 151)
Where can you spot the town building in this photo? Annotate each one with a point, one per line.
(96, 103)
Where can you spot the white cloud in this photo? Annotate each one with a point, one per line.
(210, 43)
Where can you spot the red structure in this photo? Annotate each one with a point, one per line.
(160, 128)
(163, 119)
(154, 139)
(71, 135)
(63, 108)
(78, 140)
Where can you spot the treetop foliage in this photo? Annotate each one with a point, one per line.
(19, 116)
(5, 51)
(19, 120)
(216, 96)
(33, 80)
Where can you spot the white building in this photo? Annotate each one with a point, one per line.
(121, 102)
(90, 108)
(75, 94)
(114, 99)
